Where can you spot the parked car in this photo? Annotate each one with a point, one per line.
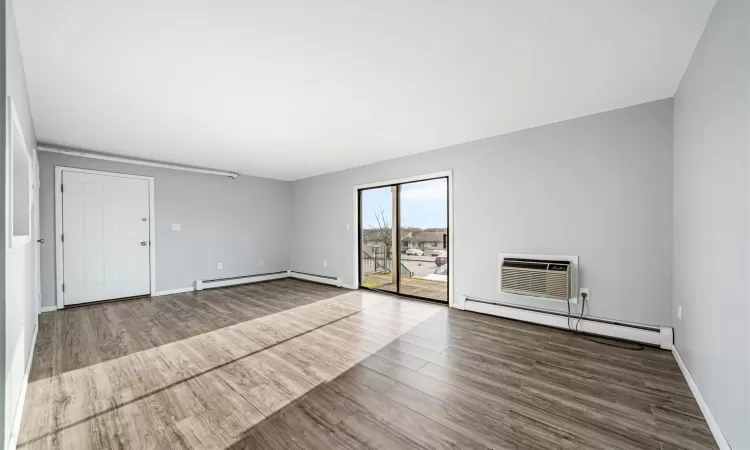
(415, 252)
(440, 274)
(442, 258)
(436, 252)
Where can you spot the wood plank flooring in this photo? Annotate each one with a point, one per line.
(296, 365)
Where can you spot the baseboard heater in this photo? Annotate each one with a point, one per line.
(233, 281)
(653, 335)
(335, 281)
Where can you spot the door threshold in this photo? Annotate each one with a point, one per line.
(111, 300)
(410, 297)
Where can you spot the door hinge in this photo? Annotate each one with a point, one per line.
(62, 238)
(61, 188)
(63, 287)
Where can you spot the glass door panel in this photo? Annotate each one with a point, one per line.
(377, 236)
(423, 239)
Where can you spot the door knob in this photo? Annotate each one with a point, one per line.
(143, 243)
(41, 241)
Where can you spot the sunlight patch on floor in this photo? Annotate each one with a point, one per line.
(223, 382)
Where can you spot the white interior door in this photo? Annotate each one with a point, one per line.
(105, 237)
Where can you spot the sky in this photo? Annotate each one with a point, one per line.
(424, 204)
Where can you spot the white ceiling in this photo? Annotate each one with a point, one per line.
(288, 89)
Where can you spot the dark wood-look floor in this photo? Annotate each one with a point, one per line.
(291, 364)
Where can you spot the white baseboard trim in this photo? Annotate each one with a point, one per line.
(721, 441)
(334, 281)
(661, 336)
(16, 427)
(174, 291)
(208, 284)
(44, 309)
(350, 286)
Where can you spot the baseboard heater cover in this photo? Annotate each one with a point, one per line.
(661, 336)
(233, 281)
(334, 281)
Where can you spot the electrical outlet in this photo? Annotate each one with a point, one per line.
(175, 227)
(220, 266)
(325, 263)
(582, 291)
(261, 262)
(679, 312)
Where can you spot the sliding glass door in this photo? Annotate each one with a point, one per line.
(403, 243)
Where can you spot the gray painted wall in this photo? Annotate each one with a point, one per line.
(712, 218)
(599, 187)
(20, 319)
(235, 222)
(4, 229)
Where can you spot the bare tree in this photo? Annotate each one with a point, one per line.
(383, 230)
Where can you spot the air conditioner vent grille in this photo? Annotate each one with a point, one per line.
(547, 279)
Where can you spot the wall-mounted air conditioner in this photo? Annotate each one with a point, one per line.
(541, 276)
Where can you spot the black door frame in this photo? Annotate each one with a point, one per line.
(397, 224)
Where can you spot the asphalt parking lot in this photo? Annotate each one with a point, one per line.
(421, 266)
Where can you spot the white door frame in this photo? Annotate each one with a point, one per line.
(37, 234)
(427, 176)
(59, 261)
